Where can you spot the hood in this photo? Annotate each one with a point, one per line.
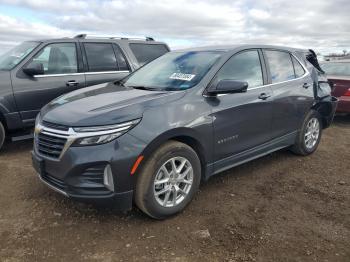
(103, 104)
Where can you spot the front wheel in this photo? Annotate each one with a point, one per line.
(2, 135)
(309, 135)
(168, 180)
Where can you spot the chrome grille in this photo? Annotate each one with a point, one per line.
(50, 145)
(55, 126)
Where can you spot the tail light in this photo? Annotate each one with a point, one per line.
(347, 93)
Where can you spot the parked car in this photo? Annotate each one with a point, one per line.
(178, 120)
(33, 73)
(338, 72)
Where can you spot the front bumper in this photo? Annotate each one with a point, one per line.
(79, 173)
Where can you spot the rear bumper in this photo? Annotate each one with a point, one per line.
(327, 107)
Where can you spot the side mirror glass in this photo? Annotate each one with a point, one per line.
(34, 69)
(228, 87)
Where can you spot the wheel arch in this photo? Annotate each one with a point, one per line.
(326, 110)
(3, 120)
(183, 135)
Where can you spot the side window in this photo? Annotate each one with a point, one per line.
(60, 58)
(100, 57)
(123, 65)
(298, 69)
(244, 66)
(281, 67)
(145, 53)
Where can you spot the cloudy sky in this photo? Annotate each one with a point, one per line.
(319, 24)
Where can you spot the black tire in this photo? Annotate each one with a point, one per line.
(300, 147)
(2, 135)
(145, 197)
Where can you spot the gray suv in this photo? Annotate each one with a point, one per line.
(35, 72)
(182, 118)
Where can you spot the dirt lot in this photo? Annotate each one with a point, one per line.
(278, 208)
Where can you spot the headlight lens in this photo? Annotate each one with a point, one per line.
(102, 134)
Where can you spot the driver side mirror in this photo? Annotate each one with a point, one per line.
(34, 69)
(228, 87)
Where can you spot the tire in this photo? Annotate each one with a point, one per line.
(2, 135)
(304, 144)
(149, 197)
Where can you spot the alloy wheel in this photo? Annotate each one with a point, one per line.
(173, 182)
(312, 133)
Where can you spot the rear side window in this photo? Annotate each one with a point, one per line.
(281, 66)
(244, 66)
(60, 58)
(145, 53)
(298, 69)
(100, 57)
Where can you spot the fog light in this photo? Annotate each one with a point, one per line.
(108, 178)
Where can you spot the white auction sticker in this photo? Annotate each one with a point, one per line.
(181, 76)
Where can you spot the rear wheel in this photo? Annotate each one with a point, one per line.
(2, 135)
(168, 180)
(310, 134)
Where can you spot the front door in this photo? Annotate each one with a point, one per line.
(242, 121)
(61, 75)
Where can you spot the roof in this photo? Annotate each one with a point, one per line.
(227, 48)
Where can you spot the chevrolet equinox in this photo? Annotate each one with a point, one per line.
(152, 137)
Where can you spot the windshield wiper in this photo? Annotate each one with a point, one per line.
(144, 88)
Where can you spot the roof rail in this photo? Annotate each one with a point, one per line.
(85, 36)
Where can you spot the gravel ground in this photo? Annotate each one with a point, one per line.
(278, 208)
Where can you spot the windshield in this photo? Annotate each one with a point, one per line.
(174, 71)
(337, 68)
(13, 57)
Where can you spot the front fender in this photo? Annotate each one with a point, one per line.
(187, 136)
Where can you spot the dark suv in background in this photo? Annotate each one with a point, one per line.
(180, 119)
(35, 72)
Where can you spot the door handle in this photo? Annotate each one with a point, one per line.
(263, 96)
(306, 85)
(72, 83)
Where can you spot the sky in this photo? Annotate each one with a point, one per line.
(322, 25)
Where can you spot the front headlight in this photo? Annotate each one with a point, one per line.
(97, 135)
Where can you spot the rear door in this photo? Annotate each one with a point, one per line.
(293, 91)
(104, 62)
(63, 73)
(242, 121)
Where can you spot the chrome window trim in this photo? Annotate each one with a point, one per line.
(83, 73)
(272, 84)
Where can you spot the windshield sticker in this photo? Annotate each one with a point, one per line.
(181, 76)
